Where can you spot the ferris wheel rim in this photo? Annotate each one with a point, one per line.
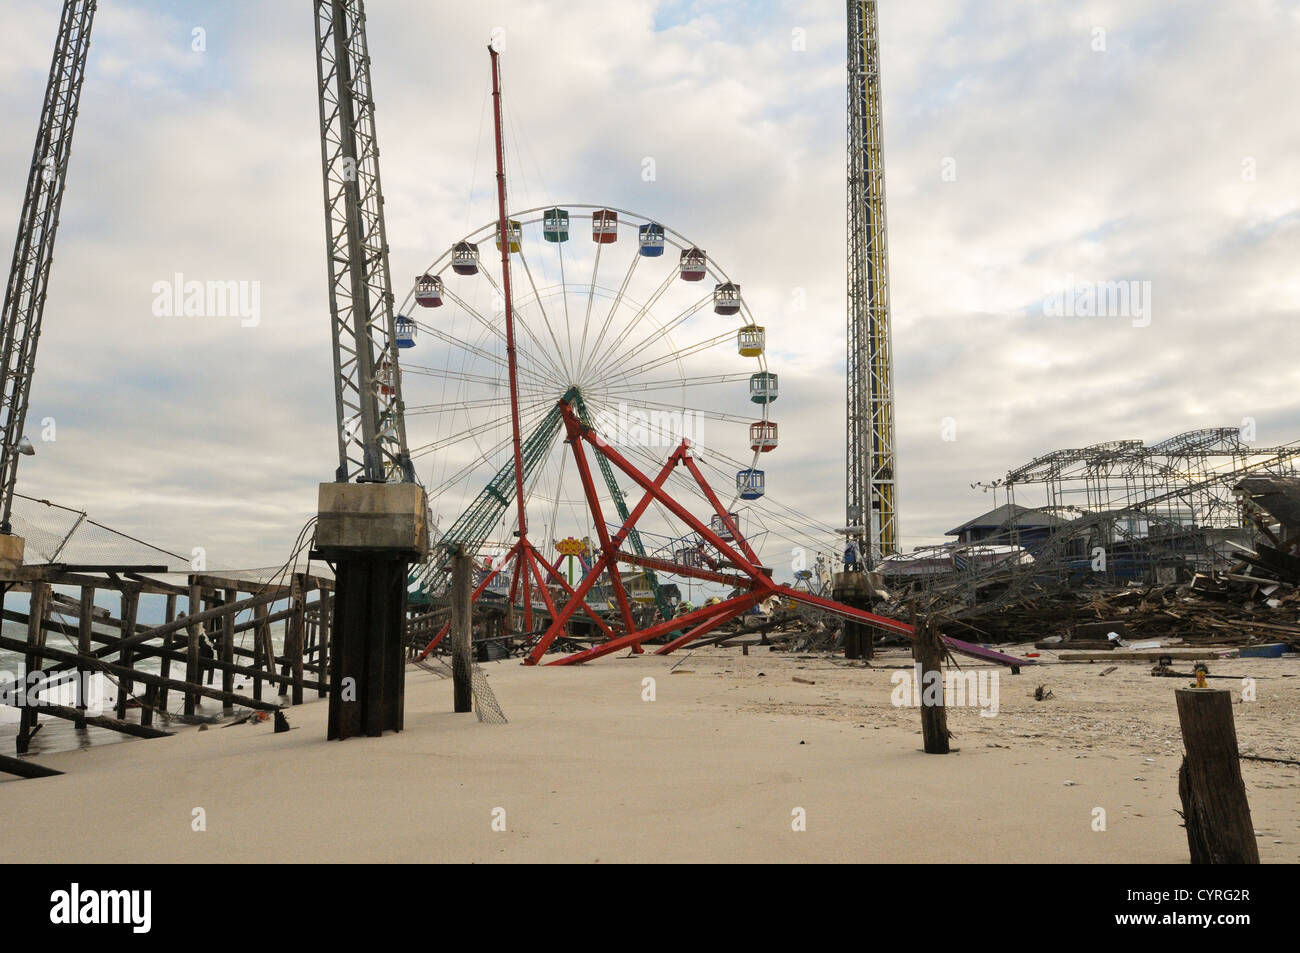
(632, 219)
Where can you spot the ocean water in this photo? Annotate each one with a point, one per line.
(59, 734)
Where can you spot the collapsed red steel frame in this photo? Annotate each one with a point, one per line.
(748, 571)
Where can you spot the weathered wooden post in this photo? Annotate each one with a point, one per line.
(1215, 810)
(34, 662)
(323, 653)
(169, 615)
(297, 626)
(85, 618)
(193, 632)
(928, 651)
(125, 655)
(228, 649)
(263, 654)
(461, 631)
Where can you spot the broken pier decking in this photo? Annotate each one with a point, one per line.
(92, 639)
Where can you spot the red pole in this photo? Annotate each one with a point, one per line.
(503, 232)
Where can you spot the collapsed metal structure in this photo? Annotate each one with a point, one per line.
(1123, 511)
(737, 566)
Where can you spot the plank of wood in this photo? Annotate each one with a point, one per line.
(25, 769)
(1153, 656)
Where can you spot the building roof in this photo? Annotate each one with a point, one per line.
(1279, 495)
(1007, 515)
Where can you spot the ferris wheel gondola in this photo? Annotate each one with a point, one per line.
(644, 359)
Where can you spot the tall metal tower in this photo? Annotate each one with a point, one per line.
(367, 381)
(29, 274)
(372, 520)
(869, 492)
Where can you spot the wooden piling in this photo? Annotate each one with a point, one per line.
(263, 655)
(324, 610)
(294, 639)
(927, 649)
(228, 649)
(85, 619)
(193, 632)
(461, 632)
(33, 662)
(169, 615)
(1215, 809)
(125, 685)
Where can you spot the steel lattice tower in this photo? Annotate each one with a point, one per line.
(367, 378)
(869, 497)
(29, 274)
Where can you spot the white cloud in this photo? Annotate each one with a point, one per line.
(1126, 164)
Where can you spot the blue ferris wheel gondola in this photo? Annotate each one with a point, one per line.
(651, 239)
(405, 328)
(750, 484)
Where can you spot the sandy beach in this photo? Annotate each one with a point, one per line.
(716, 768)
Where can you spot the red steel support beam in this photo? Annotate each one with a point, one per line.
(659, 628)
(573, 426)
(683, 514)
(720, 510)
(677, 569)
(564, 583)
(712, 623)
(610, 550)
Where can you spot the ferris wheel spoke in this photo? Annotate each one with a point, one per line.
(609, 317)
(463, 435)
(564, 297)
(466, 377)
(452, 407)
(675, 383)
(546, 318)
(483, 458)
(457, 342)
(558, 375)
(537, 382)
(669, 358)
(657, 333)
(697, 411)
(602, 360)
(472, 312)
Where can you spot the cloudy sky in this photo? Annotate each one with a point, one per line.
(1028, 144)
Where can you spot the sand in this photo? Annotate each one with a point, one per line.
(719, 767)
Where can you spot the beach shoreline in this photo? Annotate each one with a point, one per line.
(722, 765)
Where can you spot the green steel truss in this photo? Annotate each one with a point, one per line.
(620, 503)
(474, 525)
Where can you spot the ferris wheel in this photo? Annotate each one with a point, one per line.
(638, 328)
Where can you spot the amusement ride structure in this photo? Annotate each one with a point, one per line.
(569, 372)
(543, 379)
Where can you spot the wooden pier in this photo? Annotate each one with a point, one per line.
(195, 644)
